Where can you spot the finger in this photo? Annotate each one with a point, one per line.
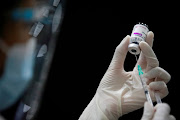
(162, 111)
(150, 56)
(149, 40)
(158, 73)
(120, 54)
(148, 112)
(160, 87)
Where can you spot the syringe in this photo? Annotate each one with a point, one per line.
(143, 81)
(158, 99)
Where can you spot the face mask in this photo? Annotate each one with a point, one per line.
(18, 72)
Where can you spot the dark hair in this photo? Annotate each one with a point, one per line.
(5, 8)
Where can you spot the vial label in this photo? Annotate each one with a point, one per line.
(135, 39)
(139, 33)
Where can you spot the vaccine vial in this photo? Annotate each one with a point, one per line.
(138, 34)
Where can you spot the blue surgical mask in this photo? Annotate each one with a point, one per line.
(18, 72)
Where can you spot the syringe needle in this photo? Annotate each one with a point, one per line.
(144, 85)
(158, 98)
(135, 57)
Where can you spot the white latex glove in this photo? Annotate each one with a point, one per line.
(121, 92)
(159, 112)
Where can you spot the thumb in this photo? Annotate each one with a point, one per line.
(120, 54)
(148, 112)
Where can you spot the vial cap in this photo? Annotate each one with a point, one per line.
(134, 49)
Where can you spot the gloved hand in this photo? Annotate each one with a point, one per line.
(159, 112)
(121, 92)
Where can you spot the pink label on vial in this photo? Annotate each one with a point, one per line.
(138, 34)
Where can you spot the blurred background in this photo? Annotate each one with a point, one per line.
(75, 44)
